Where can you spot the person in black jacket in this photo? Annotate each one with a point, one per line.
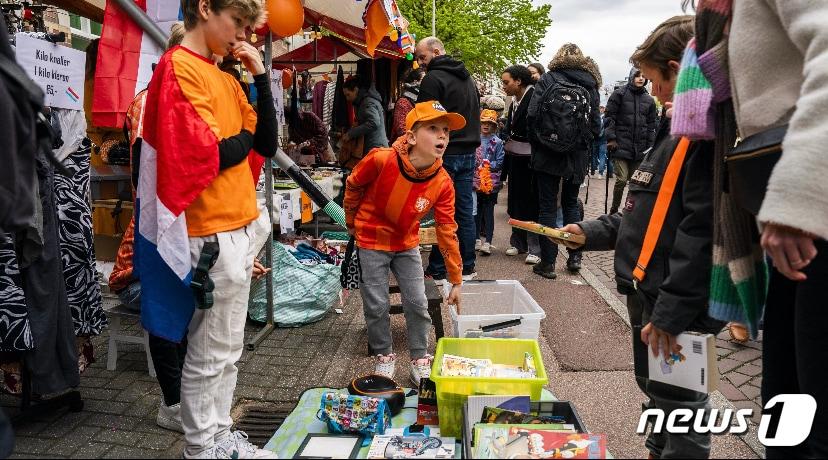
(448, 82)
(672, 294)
(522, 202)
(369, 113)
(630, 126)
(563, 171)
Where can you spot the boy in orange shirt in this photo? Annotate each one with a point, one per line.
(386, 195)
(200, 158)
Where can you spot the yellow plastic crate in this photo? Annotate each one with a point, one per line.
(453, 392)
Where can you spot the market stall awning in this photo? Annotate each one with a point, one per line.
(327, 49)
(92, 9)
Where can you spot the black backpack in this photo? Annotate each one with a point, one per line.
(562, 120)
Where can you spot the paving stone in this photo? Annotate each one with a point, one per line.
(737, 379)
(92, 382)
(750, 391)
(125, 452)
(30, 428)
(108, 407)
(92, 450)
(750, 369)
(726, 365)
(65, 425)
(158, 442)
(122, 437)
(746, 355)
(245, 392)
(138, 390)
(757, 410)
(118, 422)
(31, 445)
(730, 392)
(98, 394)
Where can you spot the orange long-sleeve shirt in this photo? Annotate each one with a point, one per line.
(385, 198)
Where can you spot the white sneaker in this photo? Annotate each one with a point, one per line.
(237, 446)
(169, 417)
(386, 365)
(512, 251)
(478, 244)
(214, 452)
(601, 176)
(486, 248)
(531, 259)
(421, 369)
(469, 276)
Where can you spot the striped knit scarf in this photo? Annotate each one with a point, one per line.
(704, 110)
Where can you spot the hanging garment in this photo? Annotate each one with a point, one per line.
(319, 97)
(53, 363)
(340, 105)
(15, 331)
(327, 105)
(77, 246)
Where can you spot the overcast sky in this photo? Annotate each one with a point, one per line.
(607, 30)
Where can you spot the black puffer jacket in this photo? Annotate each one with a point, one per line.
(572, 164)
(630, 120)
(448, 81)
(370, 119)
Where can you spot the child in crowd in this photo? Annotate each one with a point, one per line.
(665, 273)
(489, 162)
(197, 199)
(386, 196)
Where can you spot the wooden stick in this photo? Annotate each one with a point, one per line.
(570, 240)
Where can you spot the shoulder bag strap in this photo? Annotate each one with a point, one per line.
(662, 204)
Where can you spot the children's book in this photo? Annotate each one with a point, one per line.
(694, 367)
(477, 403)
(516, 441)
(503, 416)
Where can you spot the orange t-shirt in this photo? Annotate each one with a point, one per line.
(229, 202)
(386, 197)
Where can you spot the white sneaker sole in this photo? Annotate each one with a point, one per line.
(169, 424)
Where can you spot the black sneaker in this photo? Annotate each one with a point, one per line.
(545, 270)
(573, 264)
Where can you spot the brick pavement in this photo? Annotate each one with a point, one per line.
(740, 365)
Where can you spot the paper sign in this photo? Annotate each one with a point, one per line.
(285, 213)
(58, 70)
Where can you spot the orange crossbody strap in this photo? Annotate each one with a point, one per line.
(662, 204)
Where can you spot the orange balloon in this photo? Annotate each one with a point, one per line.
(287, 78)
(285, 17)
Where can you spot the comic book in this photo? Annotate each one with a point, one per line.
(516, 441)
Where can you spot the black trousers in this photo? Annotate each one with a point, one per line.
(548, 186)
(522, 202)
(794, 349)
(485, 215)
(168, 360)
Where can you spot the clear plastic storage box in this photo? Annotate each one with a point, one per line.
(497, 309)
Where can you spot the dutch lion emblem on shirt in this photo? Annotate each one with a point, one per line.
(421, 204)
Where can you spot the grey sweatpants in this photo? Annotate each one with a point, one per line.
(669, 398)
(407, 267)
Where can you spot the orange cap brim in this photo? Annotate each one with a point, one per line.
(455, 120)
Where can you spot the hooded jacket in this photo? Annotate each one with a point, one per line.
(676, 289)
(370, 120)
(630, 120)
(448, 81)
(17, 130)
(582, 71)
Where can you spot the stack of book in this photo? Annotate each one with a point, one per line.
(514, 427)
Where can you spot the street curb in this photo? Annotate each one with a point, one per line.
(717, 399)
(751, 438)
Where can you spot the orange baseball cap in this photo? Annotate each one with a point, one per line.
(488, 115)
(433, 110)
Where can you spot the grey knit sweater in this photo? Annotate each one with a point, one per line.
(779, 74)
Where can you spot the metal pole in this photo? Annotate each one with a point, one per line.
(268, 186)
(433, 18)
(140, 17)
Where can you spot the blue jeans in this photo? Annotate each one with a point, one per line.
(130, 296)
(599, 156)
(485, 215)
(461, 169)
(548, 206)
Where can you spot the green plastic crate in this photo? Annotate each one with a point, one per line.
(453, 392)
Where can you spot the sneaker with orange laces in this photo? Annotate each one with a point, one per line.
(385, 365)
